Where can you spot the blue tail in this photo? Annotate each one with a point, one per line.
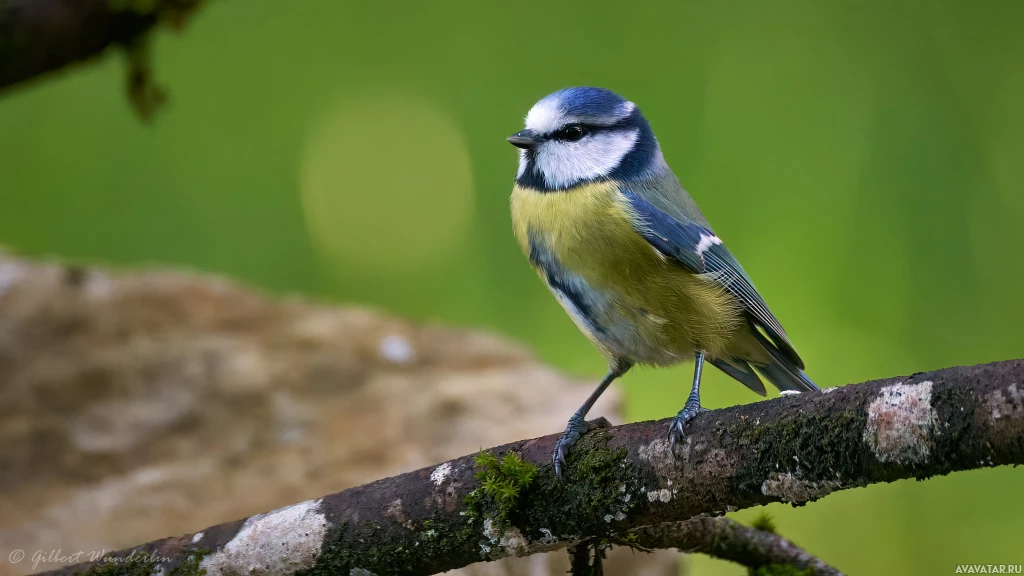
(782, 372)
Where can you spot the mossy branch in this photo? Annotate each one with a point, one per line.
(41, 36)
(625, 487)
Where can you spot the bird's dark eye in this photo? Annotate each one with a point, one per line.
(571, 133)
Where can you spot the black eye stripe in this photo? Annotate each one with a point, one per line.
(571, 132)
(633, 120)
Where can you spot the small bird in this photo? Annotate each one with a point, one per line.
(629, 255)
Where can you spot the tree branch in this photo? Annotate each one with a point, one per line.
(40, 36)
(620, 480)
(729, 540)
(717, 537)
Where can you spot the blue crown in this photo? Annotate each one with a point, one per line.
(584, 101)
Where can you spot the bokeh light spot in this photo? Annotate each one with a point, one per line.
(387, 185)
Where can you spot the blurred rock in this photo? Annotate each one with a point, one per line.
(146, 404)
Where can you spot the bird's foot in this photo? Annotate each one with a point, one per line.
(689, 412)
(577, 427)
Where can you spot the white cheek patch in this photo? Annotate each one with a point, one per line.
(522, 164)
(563, 164)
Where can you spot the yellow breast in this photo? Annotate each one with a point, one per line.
(649, 308)
(564, 219)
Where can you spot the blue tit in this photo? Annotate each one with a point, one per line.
(629, 255)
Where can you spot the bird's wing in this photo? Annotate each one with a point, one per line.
(697, 248)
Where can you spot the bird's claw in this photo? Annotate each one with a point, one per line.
(675, 430)
(576, 428)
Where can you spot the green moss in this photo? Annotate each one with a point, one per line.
(371, 548)
(509, 495)
(815, 449)
(342, 553)
(581, 503)
(599, 485)
(501, 483)
(191, 565)
(765, 523)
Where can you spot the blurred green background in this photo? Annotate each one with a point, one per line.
(863, 161)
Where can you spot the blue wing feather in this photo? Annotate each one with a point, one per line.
(697, 248)
(671, 237)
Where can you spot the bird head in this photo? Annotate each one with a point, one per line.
(579, 135)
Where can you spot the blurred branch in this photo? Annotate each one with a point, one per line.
(729, 540)
(40, 36)
(624, 484)
(717, 537)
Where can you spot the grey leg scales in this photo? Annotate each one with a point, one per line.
(577, 425)
(692, 406)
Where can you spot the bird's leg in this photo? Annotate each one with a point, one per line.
(577, 425)
(692, 406)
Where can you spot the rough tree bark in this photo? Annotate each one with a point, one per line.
(623, 480)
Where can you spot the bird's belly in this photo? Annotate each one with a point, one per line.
(609, 318)
(628, 299)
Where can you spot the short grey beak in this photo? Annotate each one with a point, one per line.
(524, 139)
